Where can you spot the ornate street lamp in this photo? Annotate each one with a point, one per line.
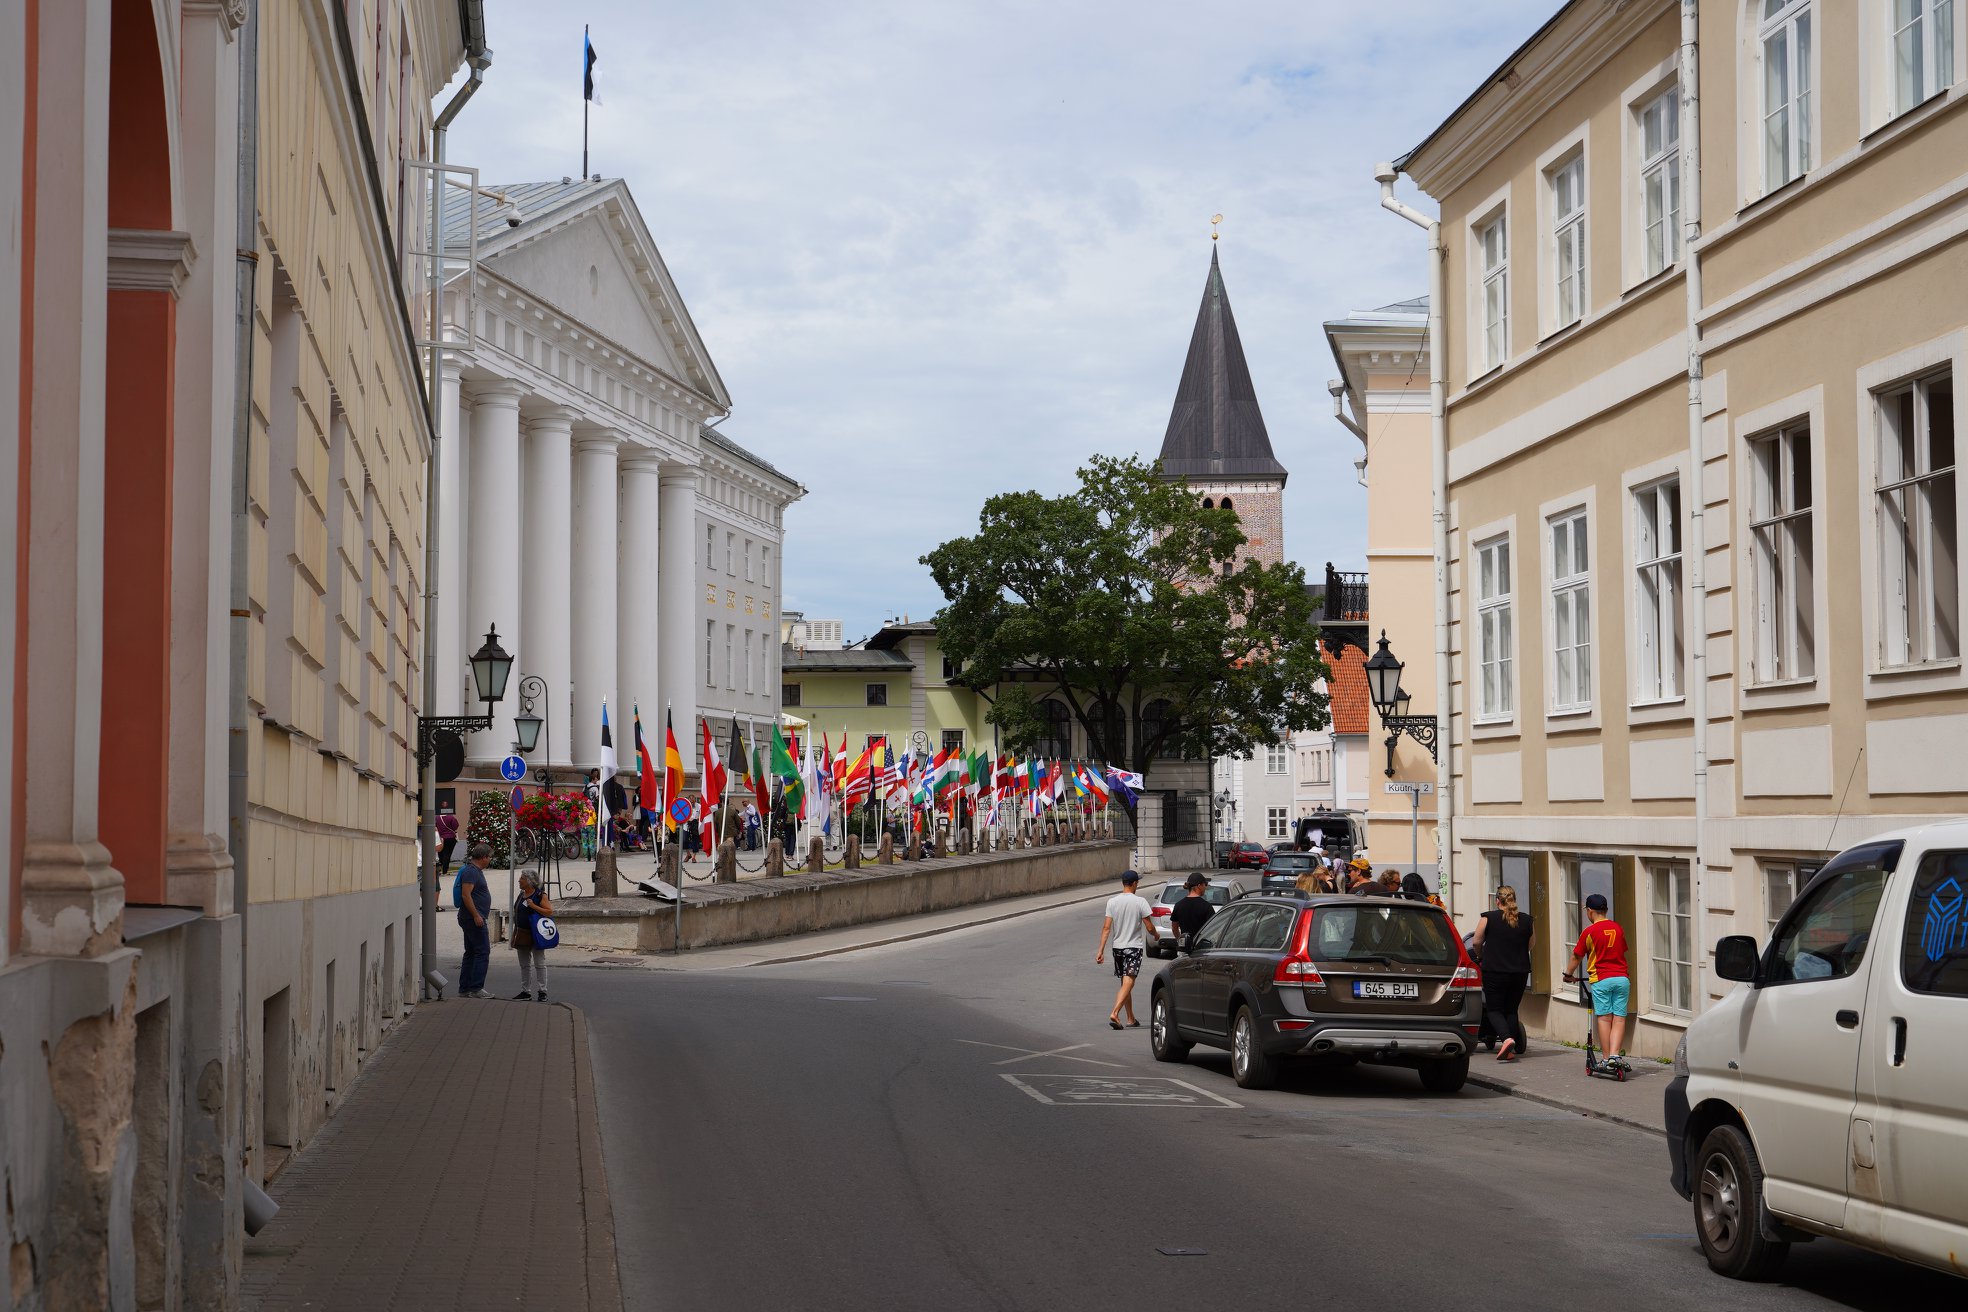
(527, 725)
(1391, 700)
(491, 667)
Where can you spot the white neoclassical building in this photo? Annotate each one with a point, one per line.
(588, 508)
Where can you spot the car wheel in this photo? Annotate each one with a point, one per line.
(1162, 1038)
(1248, 1062)
(1447, 1075)
(1729, 1208)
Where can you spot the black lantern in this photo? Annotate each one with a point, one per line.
(526, 728)
(491, 667)
(1384, 678)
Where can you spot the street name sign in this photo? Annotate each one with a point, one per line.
(1403, 786)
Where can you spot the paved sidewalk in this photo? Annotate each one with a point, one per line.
(463, 1172)
(1555, 1075)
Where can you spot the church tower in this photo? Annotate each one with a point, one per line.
(1216, 436)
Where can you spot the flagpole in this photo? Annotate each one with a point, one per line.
(585, 46)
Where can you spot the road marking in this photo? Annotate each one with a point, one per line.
(844, 998)
(1116, 1091)
(1031, 1053)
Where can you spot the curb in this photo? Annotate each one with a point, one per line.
(924, 933)
(604, 1281)
(1597, 1114)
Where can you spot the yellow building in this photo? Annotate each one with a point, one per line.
(1706, 633)
(895, 686)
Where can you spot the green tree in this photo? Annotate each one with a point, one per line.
(1122, 594)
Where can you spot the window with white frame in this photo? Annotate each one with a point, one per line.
(730, 553)
(1657, 636)
(710, 546)
(1567, 183)
(1782, 882)
(1277, 822)
(730, 670)
(1919, 583)
(1671, 937)
(748, 660)
(1494, 636)
(1276, 756)
(1573, 901)
(748, 560)
(1783, 566)
(1660, 178)
(1784, 37)
(1319, 763)
(1571, 613)
(710, 643)
(1922, 50)
(1493, 237)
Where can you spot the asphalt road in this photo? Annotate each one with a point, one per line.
(847, 1134)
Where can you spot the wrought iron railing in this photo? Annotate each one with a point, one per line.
(1346, 596)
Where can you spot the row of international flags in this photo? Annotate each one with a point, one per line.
(998, 787)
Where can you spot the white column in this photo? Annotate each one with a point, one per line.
(492, 593)
(546, 600)
(676, 591)
(72, 900)
(638, 658)
(595, 604)
(455, 414)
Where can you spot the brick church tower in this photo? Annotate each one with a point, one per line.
(1216, 436)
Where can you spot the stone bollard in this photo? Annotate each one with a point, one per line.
(816, 856)
(885, 850)
(727, 862)
(775, 858)
(606, 883)
(668, 864)
(964, 845)
(984, 842)
(914, 851)
(851, 860)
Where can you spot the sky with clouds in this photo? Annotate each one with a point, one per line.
(940, 249)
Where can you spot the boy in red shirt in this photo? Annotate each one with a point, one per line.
(1602, 949)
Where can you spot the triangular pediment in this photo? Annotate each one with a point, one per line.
(589, 256)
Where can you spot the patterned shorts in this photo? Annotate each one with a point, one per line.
(1127, 962)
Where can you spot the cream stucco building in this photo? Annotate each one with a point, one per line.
(1699, 649)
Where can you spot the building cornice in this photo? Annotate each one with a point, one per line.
(1573, 46)
(141, 260)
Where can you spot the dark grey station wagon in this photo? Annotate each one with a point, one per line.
(1285, 974)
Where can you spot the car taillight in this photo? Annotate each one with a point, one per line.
(1160, 913)
(1466, 977)
(1297, 967)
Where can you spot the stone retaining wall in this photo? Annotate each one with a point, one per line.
(715, 914)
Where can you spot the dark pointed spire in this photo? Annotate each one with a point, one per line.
(1216, 429)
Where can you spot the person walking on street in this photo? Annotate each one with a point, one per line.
(474, 898)
(447, 840)
(532, 901)
(1602, 951)
(1503, 944)
(1127, 925)
(1194, 910)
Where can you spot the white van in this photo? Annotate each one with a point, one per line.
(1828, 1095)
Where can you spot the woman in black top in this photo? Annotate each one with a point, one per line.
(1503, 941)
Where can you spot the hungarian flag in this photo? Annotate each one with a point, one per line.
(672, 771)
(647, 795)
(792, 790)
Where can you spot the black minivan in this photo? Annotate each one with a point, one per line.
(1283, 974)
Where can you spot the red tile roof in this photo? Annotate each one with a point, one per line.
(1348, 688)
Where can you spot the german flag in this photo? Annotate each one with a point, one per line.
(672, 769)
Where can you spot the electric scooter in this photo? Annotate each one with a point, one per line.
(1613, 1067)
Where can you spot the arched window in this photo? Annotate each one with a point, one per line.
(1056, 738)
(1208, 504)
(1155, 716)
(1227, 505)
(1113, 734)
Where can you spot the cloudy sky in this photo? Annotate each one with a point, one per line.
(943, 249)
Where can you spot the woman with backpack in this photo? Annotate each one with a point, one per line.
(531, 904)
(1503, 944)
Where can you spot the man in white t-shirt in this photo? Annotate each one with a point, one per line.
(1127, 927)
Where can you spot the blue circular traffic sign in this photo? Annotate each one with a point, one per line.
(518, 796)
(513, 769)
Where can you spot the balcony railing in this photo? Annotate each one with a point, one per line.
(1346, 596)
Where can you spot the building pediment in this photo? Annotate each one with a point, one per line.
(582, 248)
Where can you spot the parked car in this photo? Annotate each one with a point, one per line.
(1285, 974)
(1222, 891)
(1286, 846)
(1828, 1093)
(1342, 833)
(1286, 867)
(1248, 856)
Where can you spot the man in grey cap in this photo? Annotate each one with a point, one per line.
(1128, 926)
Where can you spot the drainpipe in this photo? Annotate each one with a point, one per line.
(241, 723)
(1697, 497)
(479, 57)
(1438, 411)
